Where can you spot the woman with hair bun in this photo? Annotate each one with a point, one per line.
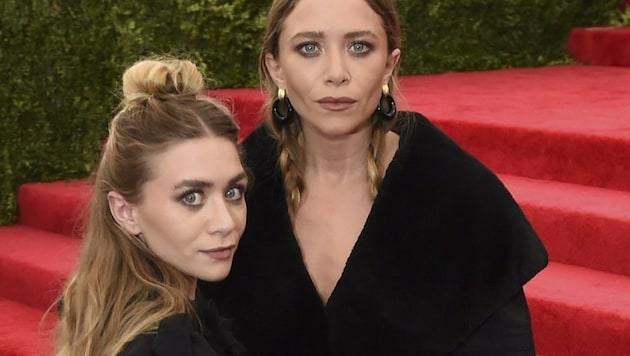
(167, 209)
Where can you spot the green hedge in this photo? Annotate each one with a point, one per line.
(60, 61)
(461, 35)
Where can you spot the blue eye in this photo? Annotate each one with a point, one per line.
(360, 47)
(235, 193)
(308, 48)
(193, 198)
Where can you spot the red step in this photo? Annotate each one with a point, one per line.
(34, 264)
(564, 123)
(580, 225)
(605, 46)
(58, 207)
(579, 312)
(24, 331)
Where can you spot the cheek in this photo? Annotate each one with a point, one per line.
(161, 225)
(300, 75)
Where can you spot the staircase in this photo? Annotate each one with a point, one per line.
(559, 138)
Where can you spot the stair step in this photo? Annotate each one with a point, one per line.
(579, 312)
(58, 207)
(563, 123)
(546, 155)
(580, 225)
(605, 46)
(24, 331)
(34, 264)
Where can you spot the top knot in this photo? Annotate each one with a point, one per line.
(156, 78)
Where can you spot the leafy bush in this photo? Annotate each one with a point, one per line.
(61, 60)
(464, 35)
(622, 18)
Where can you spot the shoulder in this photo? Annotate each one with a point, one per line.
(175, 335)
(434, 168)
(433, 155)
(432, 174)
(416, 129)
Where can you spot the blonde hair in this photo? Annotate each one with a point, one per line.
(120, 289)
(289, 134)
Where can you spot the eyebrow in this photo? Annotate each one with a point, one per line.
(320, 34)
(198, 183)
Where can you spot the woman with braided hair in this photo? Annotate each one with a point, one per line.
(369, 231)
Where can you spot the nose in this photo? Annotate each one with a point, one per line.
(337, 72)
(222, 219)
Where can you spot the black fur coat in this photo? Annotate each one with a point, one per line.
(438, 268)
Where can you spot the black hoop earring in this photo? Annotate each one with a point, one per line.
(390, 105)
(282, 109)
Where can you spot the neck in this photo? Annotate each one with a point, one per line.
(336, 160)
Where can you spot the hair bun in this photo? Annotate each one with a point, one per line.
(154, 77)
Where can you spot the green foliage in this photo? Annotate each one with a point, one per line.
(61, 60)
(622, 18)
(464, 35)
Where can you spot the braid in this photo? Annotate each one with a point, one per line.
(373, 174)
(377, 143)
(291, 165)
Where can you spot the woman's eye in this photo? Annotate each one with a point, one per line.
(308, 48)
(235, 193)
(359, 47)
(192, 198)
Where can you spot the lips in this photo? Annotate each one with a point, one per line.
(336, 103)
(220, 253)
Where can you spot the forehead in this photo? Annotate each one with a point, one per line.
(331, 16)
(208, 158)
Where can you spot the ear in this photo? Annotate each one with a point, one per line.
(123, 212)
(392, 63)
(275, 70)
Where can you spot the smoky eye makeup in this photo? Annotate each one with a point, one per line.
(307, 48)
(360, 48)
(191, 197)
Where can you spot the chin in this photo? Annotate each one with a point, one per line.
(343, 128)
(215, 276)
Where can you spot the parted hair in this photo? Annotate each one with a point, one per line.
(289, 134)
(119, 288)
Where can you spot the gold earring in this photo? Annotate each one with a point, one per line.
(281, 93)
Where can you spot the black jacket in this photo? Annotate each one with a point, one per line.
(438, 268)
(180, 335)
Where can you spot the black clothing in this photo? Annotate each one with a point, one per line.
(178, 335)
(438, 268)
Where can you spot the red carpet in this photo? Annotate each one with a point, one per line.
(559, 137)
